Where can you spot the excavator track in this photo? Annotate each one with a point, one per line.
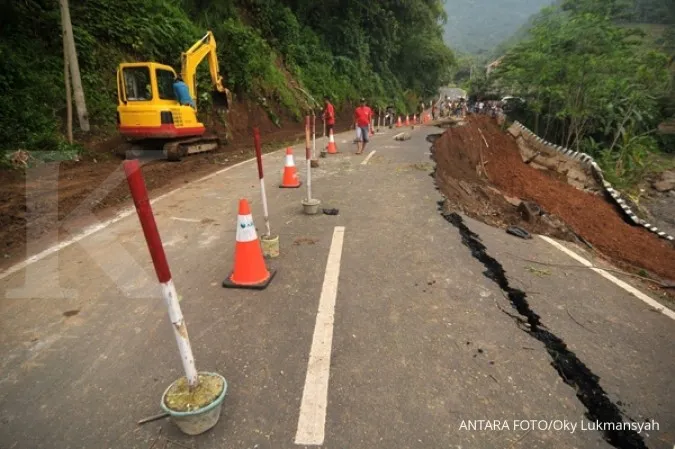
(173, 150)
(177, 150)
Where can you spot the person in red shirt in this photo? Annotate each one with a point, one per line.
(362, 117)
(328, 115)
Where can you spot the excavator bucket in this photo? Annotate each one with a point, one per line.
(221, 100)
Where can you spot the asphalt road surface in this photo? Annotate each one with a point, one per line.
(412, 345)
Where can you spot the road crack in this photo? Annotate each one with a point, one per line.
(570, 369)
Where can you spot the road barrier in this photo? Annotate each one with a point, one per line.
(290, 178)
(270, 243)
(590, 163)
(249, 265)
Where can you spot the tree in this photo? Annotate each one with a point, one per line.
(589, 84)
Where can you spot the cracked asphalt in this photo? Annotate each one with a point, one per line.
(427, 351)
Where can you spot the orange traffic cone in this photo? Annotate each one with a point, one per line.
(332, 149)
(407, 120)
(398, 123)
(249, 266)
(290, 178)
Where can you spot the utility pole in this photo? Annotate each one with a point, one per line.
(71, 54)
(69, 99)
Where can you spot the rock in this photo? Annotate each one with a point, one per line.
(529, 211)
(465, 186)
(664, 186)
(558, 228)
(513, 200)
(666, 182)
(554, 222)
(514, 130)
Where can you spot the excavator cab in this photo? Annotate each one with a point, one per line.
(147, 106)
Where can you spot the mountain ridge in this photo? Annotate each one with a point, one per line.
(478, 26)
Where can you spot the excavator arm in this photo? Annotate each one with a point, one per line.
(190, 60)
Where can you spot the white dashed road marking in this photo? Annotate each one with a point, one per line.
(188, 220)
(312, 421)
(365, 161)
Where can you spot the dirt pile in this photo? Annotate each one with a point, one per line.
(474, 159)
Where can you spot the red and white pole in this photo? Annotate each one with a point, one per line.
(308, 155)
(313, 136)
(258, 156)
(147, 219)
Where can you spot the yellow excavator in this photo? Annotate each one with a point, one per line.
(150, 115)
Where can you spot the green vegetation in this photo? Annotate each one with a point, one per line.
(593, 84)
(283, 54)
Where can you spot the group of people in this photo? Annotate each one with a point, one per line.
(492, 108)
(448, 108)
(461, 107)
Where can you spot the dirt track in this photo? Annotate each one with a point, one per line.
(461, 153)
(77, 180)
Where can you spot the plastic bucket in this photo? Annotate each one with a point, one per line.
(197, 421)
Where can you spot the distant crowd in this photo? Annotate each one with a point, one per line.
(461, 107)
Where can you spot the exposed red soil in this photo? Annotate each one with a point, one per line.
(461, 177)
(78, 180)
(592, 217)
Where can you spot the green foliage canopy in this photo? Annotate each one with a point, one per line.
(281, 50)
(590, 84)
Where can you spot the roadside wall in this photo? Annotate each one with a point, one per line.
(580, 169)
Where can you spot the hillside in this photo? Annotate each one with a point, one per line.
(596, 76)
(272, 53)
(477, 26)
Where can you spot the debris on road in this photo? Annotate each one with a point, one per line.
(153, 418)
(518, 232)
(331, 211)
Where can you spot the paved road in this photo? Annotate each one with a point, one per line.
(453, 92)
(423, 343)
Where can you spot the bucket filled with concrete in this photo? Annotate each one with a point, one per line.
(198, 410)
(270, 246)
